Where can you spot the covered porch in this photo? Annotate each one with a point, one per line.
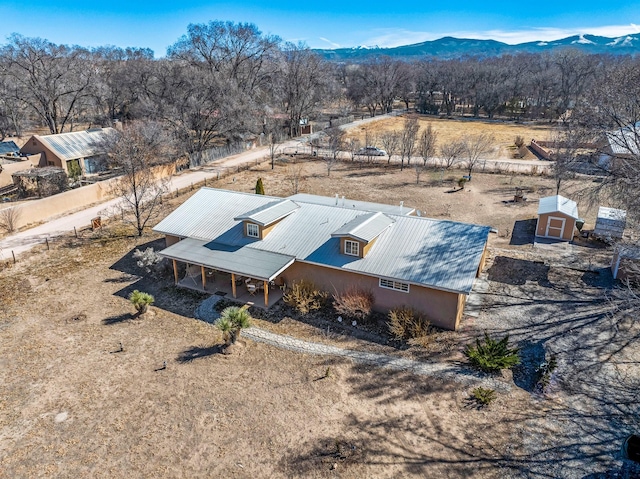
(246, 274)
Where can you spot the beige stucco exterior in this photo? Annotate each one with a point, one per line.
(554, 220)
(443, 308)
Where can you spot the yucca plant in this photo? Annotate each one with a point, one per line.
(491, 355)
(232, 321)
(141, 301)
(483, 396)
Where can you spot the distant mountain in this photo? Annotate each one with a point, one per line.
(450, 47)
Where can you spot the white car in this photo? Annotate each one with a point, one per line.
(371, 151)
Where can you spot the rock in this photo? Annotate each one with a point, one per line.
(61, 417)
(506, 375)
(334, 466)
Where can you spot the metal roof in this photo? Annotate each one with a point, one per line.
(610, 222)
(558, 203)
(8, 147)
(625, 141)
(77, 144)
(364, 227)
(270, 213)
(352, 204)
(245, 261)
(440, 254)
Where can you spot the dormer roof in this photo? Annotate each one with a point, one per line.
(269, 213)
(364, 227)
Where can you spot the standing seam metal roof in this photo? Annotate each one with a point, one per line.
(270, 213)
(364, 227)
(8, 147)
(558, 203)
(77, 144)
(439, 254)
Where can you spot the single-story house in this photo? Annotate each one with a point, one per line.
(620, 145)
(78, 150)
(610, 224)
(557, 218)
(406, 260)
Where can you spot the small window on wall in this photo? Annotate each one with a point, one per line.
(352, 248)
(396, 285)
(253, 230)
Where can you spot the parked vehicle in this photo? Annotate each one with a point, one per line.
(371, 151)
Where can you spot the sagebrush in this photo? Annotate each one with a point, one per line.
(491, 355)
(305, 297)
(409, 324)
(354, 303)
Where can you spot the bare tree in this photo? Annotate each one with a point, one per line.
(335, 140)
(353, 145)
(451, 153)
(295, 176)
(474, 147)
(408, 140)
(391, 143)
(135, 152)
(427, 144)
(10, 219)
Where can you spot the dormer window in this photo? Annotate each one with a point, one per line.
(352, 248)
(253, 230)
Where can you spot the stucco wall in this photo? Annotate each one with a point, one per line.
(10, 168)
(171, 240)
(34, 145)
(569, 225)
(440, 306)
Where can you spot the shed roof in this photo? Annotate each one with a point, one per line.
(76, 144)
(558, 203)
(365, 227)
(265, 215)
(439, 254)
(264, 265)
(610, 222)
(8, 147)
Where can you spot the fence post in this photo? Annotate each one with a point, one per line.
(75, 231)
(14, 257)
(46, 240)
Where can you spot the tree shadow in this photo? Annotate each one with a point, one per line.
(518, 271)
(199, 352)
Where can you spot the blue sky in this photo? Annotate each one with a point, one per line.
(319, 23)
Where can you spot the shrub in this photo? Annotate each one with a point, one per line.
(483, 396)
(148, 260)
(491, 355)
(9, 219)
(141, 301)
(305, 297)
(518, 141)
(461, 182)
(259, 187)
(354, 303)
(406, 323)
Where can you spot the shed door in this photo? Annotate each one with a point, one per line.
(555, 227)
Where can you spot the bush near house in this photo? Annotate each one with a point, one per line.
(491, 355)
(354, 303)
(141, 301)
(408, 324)
(232, 321)
(304, 296)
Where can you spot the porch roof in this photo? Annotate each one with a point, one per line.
(242, 260)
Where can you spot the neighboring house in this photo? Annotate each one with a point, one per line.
(70, 151)
(610, 224)
(557, 217)
(9, 148)
(426, 264)
(620, 145)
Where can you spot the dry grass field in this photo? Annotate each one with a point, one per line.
(71, 405)
(504, 133)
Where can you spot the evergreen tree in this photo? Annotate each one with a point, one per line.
(259, 187)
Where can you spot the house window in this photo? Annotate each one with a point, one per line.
(253, 230)
(352, 248)
(396, 285)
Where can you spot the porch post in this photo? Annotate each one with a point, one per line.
(266, 293)
(204, 278)
(233, 284)
(175, 271)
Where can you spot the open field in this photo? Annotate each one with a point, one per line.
(504, 133)
(72, 407)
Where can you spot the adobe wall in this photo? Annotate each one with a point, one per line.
(440, 307)
(10, 168)
(569, 226)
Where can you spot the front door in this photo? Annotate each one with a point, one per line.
(555, 227)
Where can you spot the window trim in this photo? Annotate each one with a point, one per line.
(249, 229)
(357, 253)
(393, 285)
